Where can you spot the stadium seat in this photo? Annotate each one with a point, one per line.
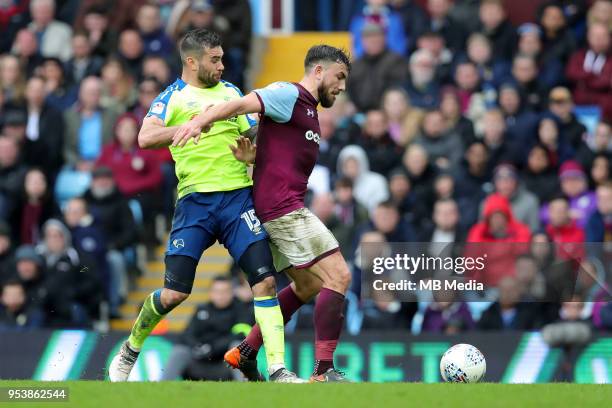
(588, 115)
(71, 183)
(354, 314)
(136, 209)
(417, 320)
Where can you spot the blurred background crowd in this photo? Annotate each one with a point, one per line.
(457, 126)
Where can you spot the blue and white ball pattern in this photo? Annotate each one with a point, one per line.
(463, 363)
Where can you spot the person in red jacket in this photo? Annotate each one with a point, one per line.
(564, 231)
(136, 171)
(590, 70)
(500, 238)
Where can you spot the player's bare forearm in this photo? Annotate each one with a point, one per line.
(213, 113)
(226, 110)
(153, 134)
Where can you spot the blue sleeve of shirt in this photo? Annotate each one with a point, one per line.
(278, 100)
(396, 36)
(159, 106)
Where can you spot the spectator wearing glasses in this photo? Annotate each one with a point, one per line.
(561, 105)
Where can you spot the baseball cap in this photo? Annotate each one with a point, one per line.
(28, 253)
(201, 5)
(529, 28)
(571, 169)
(102, 171)
(372, 28)
(505, 170)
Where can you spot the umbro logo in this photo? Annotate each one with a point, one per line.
(178, 243)
(310, 112)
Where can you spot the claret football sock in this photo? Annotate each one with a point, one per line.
(328, 319)
(289, 303)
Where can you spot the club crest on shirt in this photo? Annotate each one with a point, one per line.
(276, 85)
(158, 107)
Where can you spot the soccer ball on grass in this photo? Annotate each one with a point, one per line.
(463, 363)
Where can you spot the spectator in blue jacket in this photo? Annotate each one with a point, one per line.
(154, 38)
(599, 225)
(521, 122)
(530, 43)
(377, 12)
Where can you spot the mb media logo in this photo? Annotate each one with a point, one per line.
(178, 243)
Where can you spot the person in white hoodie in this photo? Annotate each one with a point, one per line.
(55, 37)
(369, 188)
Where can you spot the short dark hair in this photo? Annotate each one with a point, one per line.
(446, 200)
(527, 256)
(11, 281)
(388, 204)
(326, 53)
(605, 184)
(344, 182)
(194, 42)
(221, 278)
(559, 197)
(152, 79)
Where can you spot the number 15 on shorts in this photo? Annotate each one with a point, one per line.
(252, 221)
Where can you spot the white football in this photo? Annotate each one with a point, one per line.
(463, 363)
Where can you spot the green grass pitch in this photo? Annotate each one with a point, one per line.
(100, 394)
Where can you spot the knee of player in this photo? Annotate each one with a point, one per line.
(306, 290)
(172, 297)
(265, 287)
(343, 276)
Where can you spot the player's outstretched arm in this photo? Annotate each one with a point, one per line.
(203, 121)
(153, 133)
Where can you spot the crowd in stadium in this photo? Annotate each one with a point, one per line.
(457, 126)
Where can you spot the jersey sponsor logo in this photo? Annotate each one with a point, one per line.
(252, 221)
(178, 243)
(276, 85)
(314, 136)
(310, 112)
(158, 107)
